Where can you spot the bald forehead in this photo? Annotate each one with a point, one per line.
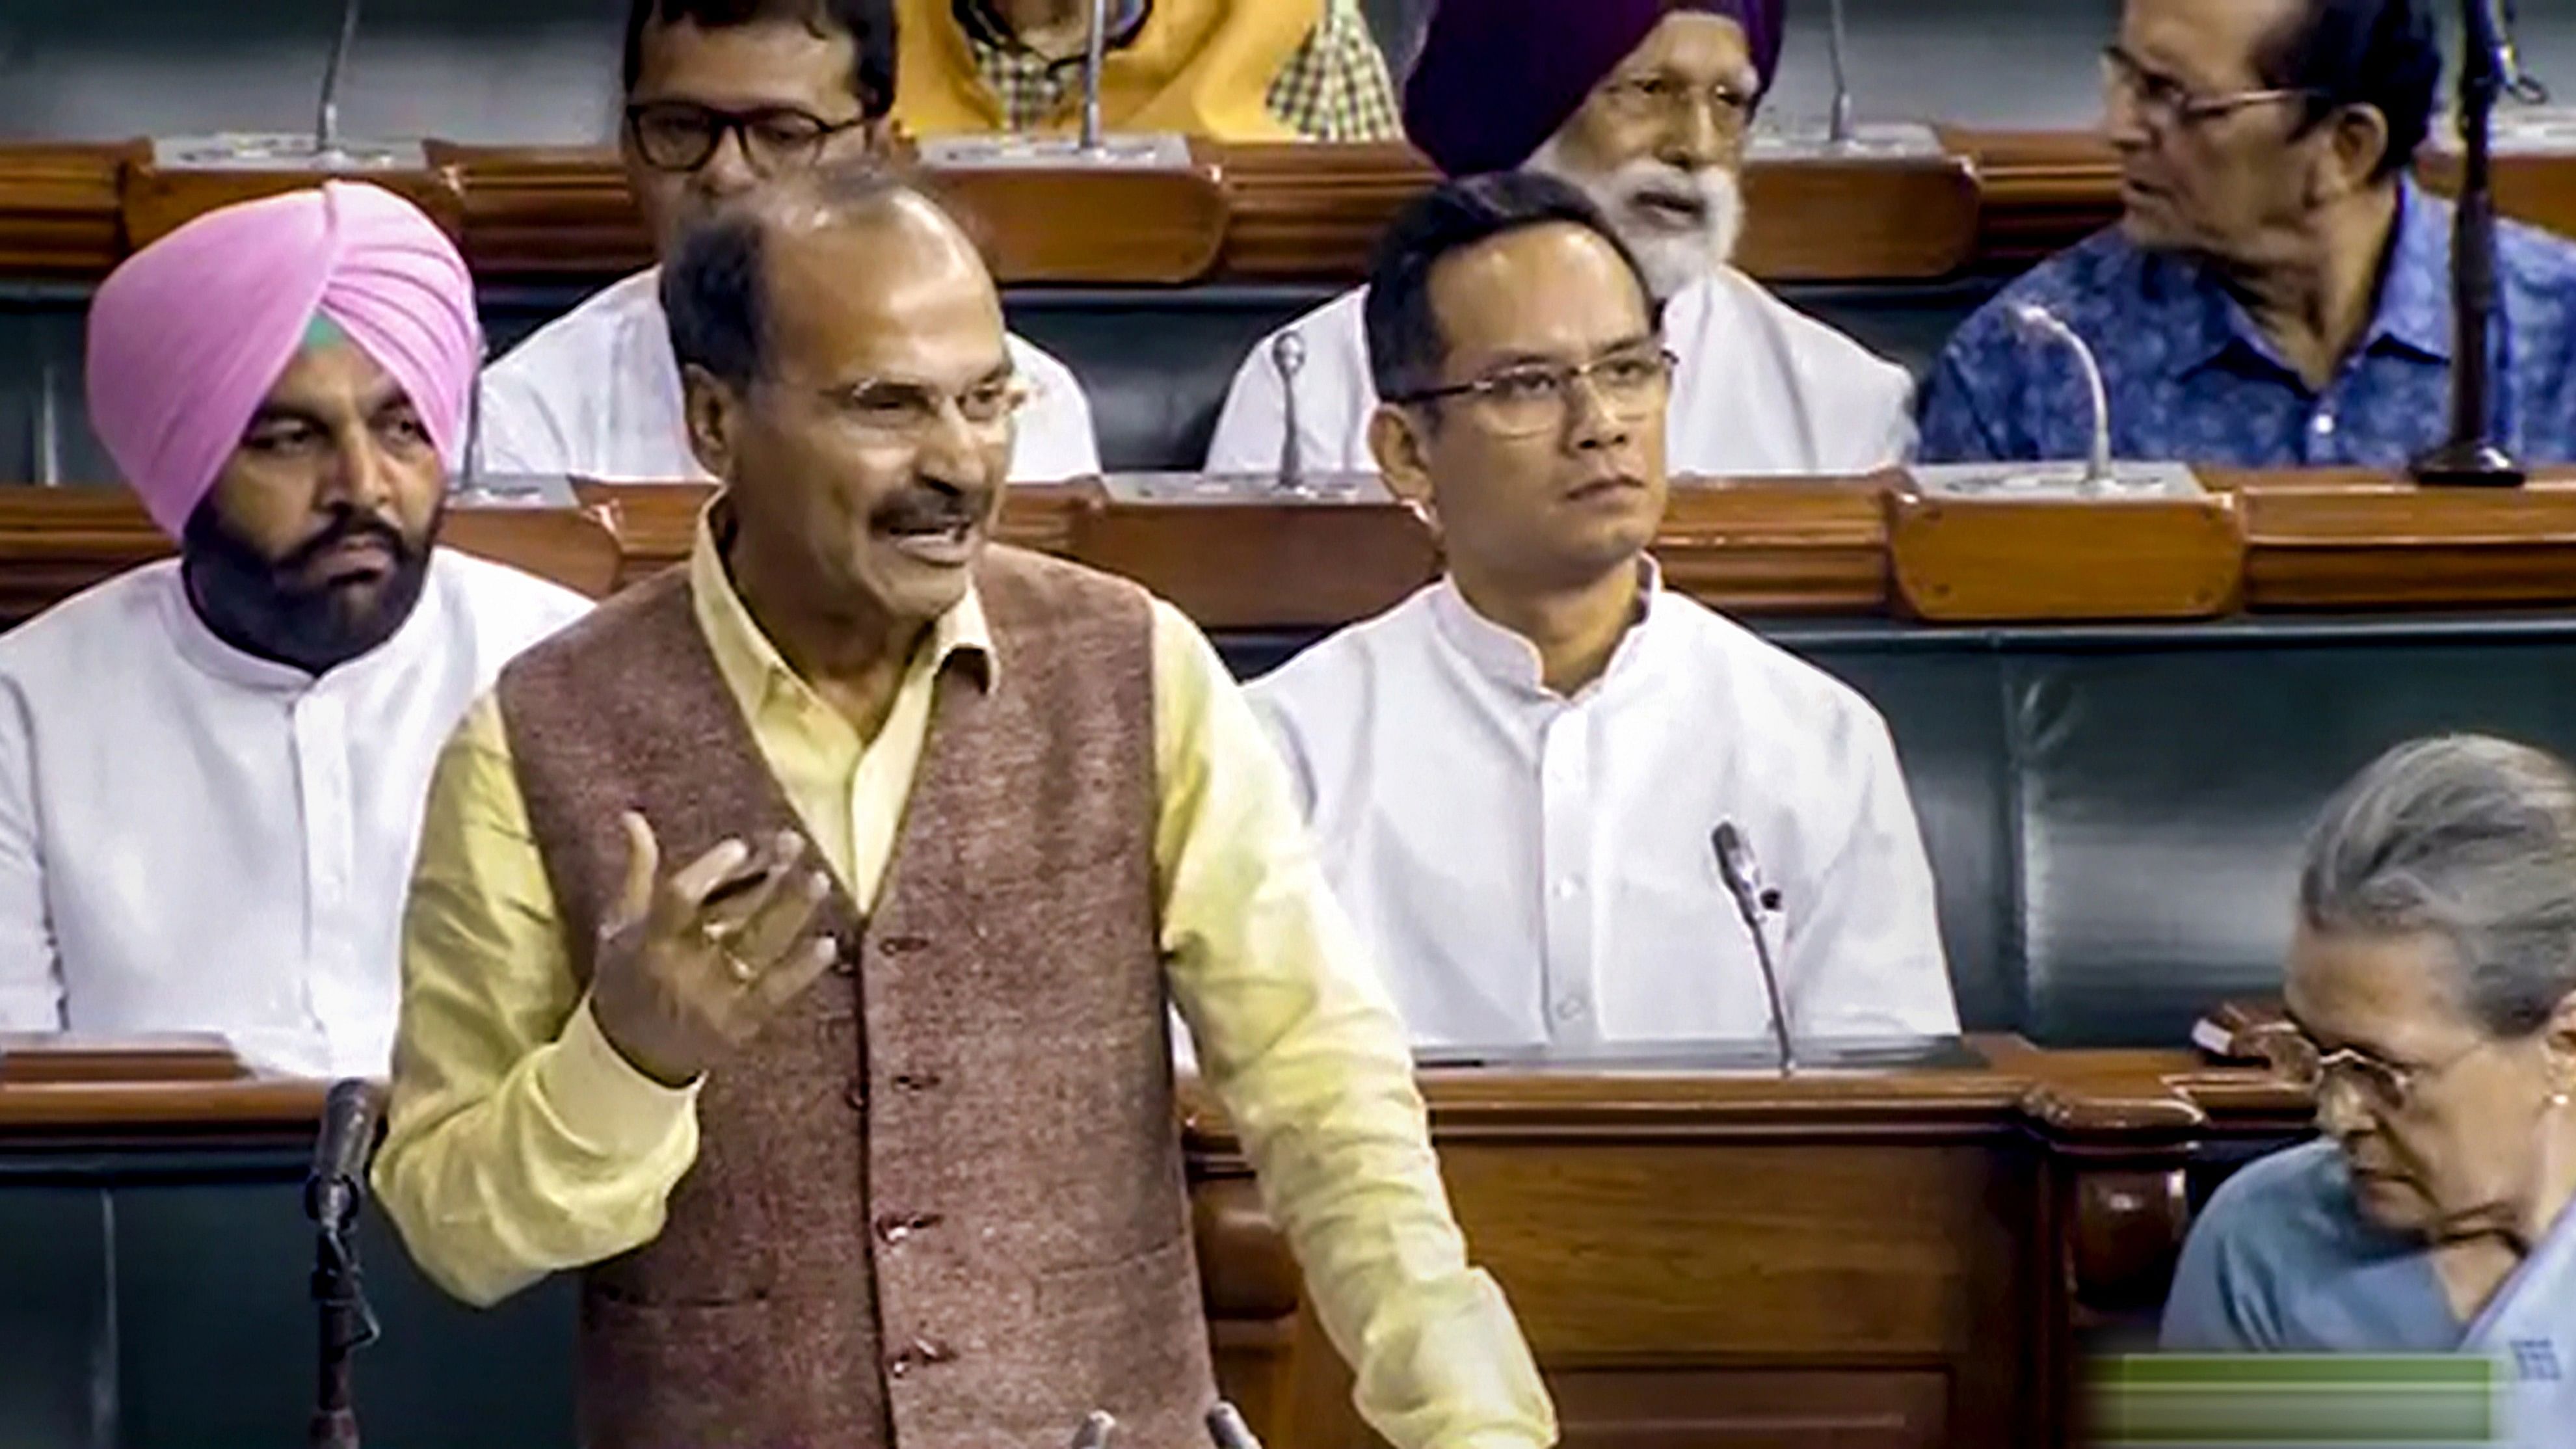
(889, 286)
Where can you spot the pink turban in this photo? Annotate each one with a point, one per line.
(188, 336)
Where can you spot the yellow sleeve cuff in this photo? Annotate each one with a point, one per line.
(602, 1103)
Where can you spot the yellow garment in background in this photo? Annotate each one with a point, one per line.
(520, 1143)
(1200, 67)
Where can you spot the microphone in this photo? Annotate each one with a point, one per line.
(2038, 324)
(1095, 55)
(326, 120)
(1288, 358)
(1735, 866)
(2472, 456)
(1841, 128)
(1226, 1428)
(337, 1183)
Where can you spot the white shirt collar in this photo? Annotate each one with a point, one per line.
(1511, 662)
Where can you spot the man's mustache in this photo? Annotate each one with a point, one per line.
(349, 528)
(927, 510)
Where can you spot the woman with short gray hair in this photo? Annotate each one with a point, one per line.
(2432, 991)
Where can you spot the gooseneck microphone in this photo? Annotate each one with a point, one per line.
(2038, 324)
(1735, 866)
(333, 1192)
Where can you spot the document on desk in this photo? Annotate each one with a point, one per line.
(1752, 1056)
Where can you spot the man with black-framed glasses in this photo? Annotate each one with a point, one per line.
(722, 98)
(1515, 774)
(2278, 291)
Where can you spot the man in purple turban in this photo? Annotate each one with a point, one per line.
(1646, 105)
(212, 767)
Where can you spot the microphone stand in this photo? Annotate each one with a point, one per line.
(332, 1196)
(326, 120)
(2473, 458)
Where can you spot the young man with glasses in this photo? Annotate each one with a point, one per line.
(1646, 106)
(721, 98)
(1515, 774)
(2278, 292)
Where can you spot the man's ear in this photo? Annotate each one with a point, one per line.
(713, 412)
(1399, 439)
(2356, 143)
(2561, 1036)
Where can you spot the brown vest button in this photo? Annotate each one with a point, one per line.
(895, 1227)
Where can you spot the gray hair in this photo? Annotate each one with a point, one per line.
(2469, 839)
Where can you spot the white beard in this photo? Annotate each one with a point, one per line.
(1674, 253)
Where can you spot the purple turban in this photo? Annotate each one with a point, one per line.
(1498, 77)
(188, 336)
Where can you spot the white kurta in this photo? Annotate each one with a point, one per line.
(1762, 389)
(195, 839)
(1537, 870)
(596, 394)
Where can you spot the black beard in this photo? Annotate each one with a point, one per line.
(262, 607)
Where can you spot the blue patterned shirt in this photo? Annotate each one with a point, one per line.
(2191, 376)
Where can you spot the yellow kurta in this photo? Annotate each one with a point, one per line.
(520, 1143)
(1200, 67)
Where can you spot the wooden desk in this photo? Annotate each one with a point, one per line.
(2314, 542)
(1870, 1262)
(1261, 211)
(1865, 1261)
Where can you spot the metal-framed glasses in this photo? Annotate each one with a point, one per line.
(1537, 397)
(682, 136)
(1639, 99)
(2385, 1084)
(2168, 104)
(909, 411)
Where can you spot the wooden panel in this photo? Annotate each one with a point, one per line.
(59, 208)
(2353, 540)
(1966, 560)
(157, 202)
(1786, 1250)
(1119, 227)
(1824, 220)
(179, 1057)
(546, 212)
(1773, 546)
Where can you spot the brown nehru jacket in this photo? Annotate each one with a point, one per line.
(938, 1204)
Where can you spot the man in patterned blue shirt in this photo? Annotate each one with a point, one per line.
(2278, 293)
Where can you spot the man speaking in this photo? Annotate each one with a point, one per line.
(791, 942)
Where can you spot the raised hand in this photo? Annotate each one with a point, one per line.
(694, 964)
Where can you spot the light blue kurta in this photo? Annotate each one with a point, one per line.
(2283, 1262)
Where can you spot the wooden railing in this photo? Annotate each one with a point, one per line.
(2002, 200)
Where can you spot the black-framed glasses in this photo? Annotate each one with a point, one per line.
(2391, 1086)
(1537, 397)
(682, 136)
(2169, 104)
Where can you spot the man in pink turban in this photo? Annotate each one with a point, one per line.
(1647, 106)
(211, 768)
